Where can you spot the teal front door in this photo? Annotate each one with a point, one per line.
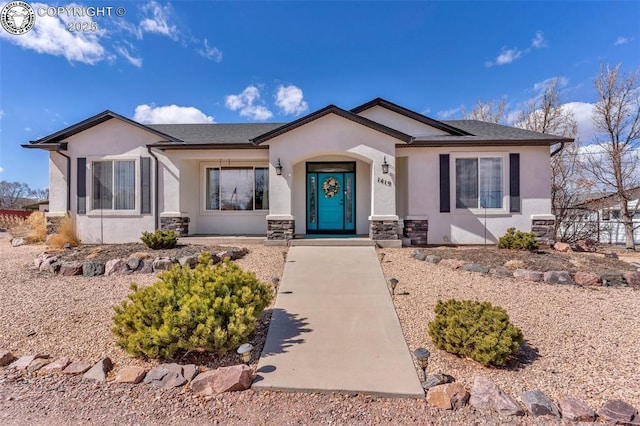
(331, 202)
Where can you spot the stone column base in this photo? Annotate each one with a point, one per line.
(383, 229)
(178, 224)
(280, 229)
(53, 223)
(416, 231)
(544, 226)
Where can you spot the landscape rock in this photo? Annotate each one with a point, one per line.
(611, 256)
(617, 411)
(203, 383)
(191, 261)
(612, 279)
(420, 256)
(632, 278)
(500, 271)
(435, 380)
(76, 367)
(189, 371)
(588, 246)
(452, 263)
(17, 242)
(233, 378)
(57, 366)
(37, 261)
(223, 255)
(449, 396)
(116, 267)
(562, 247)
(166, 376)
(432, 258)
(162, 264)
(70, 269)
(558, 277)
(47, 262)
(575, 410)
(37, 364)
(529, 275)
(99, 371)
(92, 269)
(146, 266)
(587, 279)
(486, 395)
(539, 404)
(22, 363)
(130, 374)
(6, 357)
(476, 267)
(133, 263)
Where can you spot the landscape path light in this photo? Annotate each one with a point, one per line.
(393, 283)
(422, 355)
(245, 352)
(275, 281)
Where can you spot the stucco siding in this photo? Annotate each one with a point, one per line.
(400, 122)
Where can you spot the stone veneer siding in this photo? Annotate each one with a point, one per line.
(416, 231)
(544, 230)
(53, 223)
(179, 224)
(280, 229)
(383, 229)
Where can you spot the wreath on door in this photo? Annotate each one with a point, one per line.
(330, 187)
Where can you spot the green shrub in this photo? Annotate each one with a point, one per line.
(475, 330)
(160, 239)
(518, 240)
(210, 309)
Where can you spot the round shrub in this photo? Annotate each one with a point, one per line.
(518, 240)
(160, 239)
(210, 309)
(477, 330)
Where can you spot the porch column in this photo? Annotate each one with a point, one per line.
(383, 222)
(280, 220)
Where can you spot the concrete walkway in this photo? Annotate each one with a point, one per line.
(334, 328)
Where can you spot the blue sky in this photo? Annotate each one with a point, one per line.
(197, 61)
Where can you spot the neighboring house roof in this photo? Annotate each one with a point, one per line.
(50, 142)
(251, 135)
(604, 200)
(332, 109)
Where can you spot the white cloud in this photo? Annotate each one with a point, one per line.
(541, 86)
(157, 20)
(507, 56)
(210, 52)
(27, 129)
(449, 114)
(1, 113)
(170, 114)
(244, 102)
(622, 40)
(137, 62)
(1, 169)
(50, 36)
(583, 113)
(290, 100)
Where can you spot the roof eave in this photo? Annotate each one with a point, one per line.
(481, 142)
(195, 146)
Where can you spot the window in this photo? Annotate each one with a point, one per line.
(113, 185)
(479, 183)
(237, 188)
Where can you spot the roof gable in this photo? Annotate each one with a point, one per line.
(332, 109)
(51, 141)
(382, 103)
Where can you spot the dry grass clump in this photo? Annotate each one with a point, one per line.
(66, 234)
(514, 264)
(9, 221)
(38, 224)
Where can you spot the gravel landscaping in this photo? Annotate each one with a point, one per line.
(579, 341)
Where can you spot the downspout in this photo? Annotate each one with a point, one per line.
(156, 202)
(59, 148)
(557, 151)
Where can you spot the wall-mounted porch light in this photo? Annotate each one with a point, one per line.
(279, 168)
(385, 166)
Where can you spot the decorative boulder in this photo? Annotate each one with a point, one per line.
(133, 263)
(528, 275)
(233, 378)
(56, 366)
(435, 380)
(92, 269)
(619, 412)
(500, 271)
(486, 395)
(587, 279)
(116, 267)
(99, 371)
(539, 404)
(586, 246)
(17, 242)
(130, 374)
(191, 261)
(562, 247)
(449, 396)
(575, 410)
(420, 256)
(203, 383)
(558, 277)
(612, 279)
(68, 269)
(632, 278)
(162, 264)
(432, 258)
(6, 357)
(476, 267)
(76, 367)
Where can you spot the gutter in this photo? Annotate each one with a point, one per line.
(156, 202)
(62, 146)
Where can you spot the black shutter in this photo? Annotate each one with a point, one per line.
(81, 188)
(514, 183)
(445, 199)
(145, 185)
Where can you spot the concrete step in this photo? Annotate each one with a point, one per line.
(332, 242)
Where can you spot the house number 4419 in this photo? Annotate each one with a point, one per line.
(384, 181)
